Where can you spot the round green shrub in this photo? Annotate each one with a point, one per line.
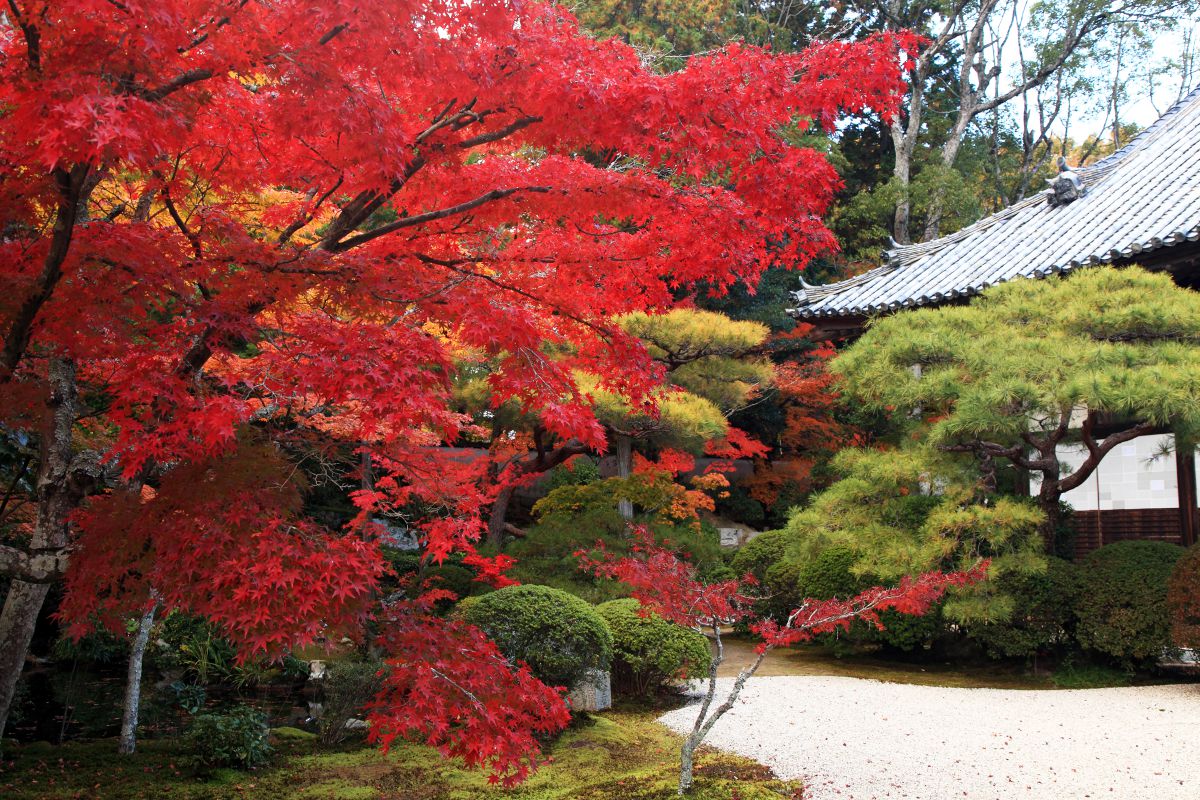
(782, 590)
(829, 575)
(1122, 605)
(459, 612)
(558, 635)
(906, 632)
(650, 652)
(760, 553)
(1042, 618)
(236, 738)
(1183, 599)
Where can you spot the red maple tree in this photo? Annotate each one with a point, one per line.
(225, 217)
(670, 587)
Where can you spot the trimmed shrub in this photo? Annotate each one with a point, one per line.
(650, 652)
(1183, 599)
(1042, 618)
(459, 612)
(760, 553)
(558, 635)
(236, 738)
(1122, 606)
(829, 575)
(346, 689)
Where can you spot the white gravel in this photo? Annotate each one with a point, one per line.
(856, 739)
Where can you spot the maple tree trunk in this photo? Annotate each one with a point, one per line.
(498, 517)
(57, 497)
(687, 755)
(133, 683)
(624, 454)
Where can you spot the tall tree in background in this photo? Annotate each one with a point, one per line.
(975, 37)
(231, 228)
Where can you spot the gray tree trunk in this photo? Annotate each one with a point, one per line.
(133, 684)
(58, 493)
(624, 453)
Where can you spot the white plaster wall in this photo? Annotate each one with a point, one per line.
(1135, 474)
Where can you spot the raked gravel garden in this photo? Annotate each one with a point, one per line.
(856, 739)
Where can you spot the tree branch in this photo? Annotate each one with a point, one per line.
(1097, 452)
(71, 190)
(430, 216)
(175, 84)
(45, 566)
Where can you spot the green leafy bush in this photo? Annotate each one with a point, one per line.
(1041, 618)
(101, 646)
(1074, 675)
(236, 738)
(346, 689)
(760, 553)
(1183, 599)
(650, 652)
(461, 608)
(738, 505)
(830, 574)
(546, 556)
(558, 635)
(1122, 606)
(578, 471)
(195, 647)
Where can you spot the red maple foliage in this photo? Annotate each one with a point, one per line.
(450, 686)
(225, 215)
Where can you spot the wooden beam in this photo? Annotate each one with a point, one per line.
(1185, 472)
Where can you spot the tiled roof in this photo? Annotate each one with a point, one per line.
(1143, 197)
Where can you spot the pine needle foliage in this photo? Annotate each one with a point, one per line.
(1033, 364)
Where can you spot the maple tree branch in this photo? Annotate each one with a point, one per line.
(175, 84)
(455, 265)
(332, 32)
(431, 216)
(33, 38)
(306, 218)
(12, 487)
(179, 223)
(71, 190)
(220, 23)
(500, 133)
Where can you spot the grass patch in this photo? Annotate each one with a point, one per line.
(622, 755)
(1089, 676)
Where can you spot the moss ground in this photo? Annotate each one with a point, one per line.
(621, 755)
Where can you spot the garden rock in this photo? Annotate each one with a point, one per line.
(593, 693)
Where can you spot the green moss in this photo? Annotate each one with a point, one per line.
(623, 755)
(292, 733)
(339, 790)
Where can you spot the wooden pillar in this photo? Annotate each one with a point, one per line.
(1185, 472)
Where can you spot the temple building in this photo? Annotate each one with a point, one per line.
(1141, 205)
